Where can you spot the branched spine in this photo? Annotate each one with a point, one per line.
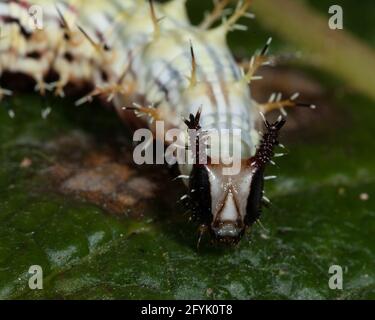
(265, 151)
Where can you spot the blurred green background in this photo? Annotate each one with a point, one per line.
(322, 212)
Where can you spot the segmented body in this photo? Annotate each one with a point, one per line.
(151, 55)
(159, 63)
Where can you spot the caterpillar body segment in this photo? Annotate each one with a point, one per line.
(147, 58)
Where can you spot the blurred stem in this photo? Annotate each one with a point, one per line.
(335, 51)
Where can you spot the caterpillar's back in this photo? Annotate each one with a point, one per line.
(150, 58)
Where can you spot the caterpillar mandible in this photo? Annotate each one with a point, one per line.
(149, 60)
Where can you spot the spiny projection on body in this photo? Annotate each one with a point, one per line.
(148, 60)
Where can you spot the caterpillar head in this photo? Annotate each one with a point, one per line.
(226, 204)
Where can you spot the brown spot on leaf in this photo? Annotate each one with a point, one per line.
(100, 174)
(26, 162)
(103, 178)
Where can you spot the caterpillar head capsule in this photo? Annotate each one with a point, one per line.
(226, 204)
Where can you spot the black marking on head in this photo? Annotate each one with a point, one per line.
(254, 201)
(262, 158)
(201, 196)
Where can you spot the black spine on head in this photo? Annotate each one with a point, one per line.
(262, 157)
(254, 201)
(199, 184)
(265, 152)
(200, 194)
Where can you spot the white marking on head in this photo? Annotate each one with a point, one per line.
(229, 211)
(229, 194)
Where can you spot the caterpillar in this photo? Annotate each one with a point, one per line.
(152, 64)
